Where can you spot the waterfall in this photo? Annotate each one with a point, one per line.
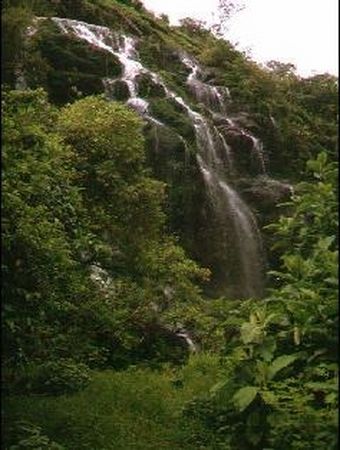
(190, 343)
(229, 209)
(211, 96)
(231, 218)
(123, 47)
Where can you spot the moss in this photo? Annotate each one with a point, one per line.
(166, 151)
(74, 67)
(163, 55)
(117, 90)
(171, 113)
(174, 161)
(148, 88)
(66, 87)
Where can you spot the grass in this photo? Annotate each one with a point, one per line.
(137, 409)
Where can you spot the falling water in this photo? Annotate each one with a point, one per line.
(123, 47)
(211, 96)
(190, 343)
(238, 233)
(229, 209)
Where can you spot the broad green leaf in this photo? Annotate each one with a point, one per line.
(244, 397)
(280, 363)
(250, 333)
(331, 398)
(261, 373)
(322, 158)
(332, 281)
(267, 349)
(270, 318)
(269, 397)
(326, 242)
(293, 262)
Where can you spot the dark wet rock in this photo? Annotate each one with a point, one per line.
(244, 120)
(173, 114)
(208, 75)
(222, 121)
(73, 67)
(265, 193)
(117, 90)
(238, 140)
(147, 88)
(245, 160)
(159, 342)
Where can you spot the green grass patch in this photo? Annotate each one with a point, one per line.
(134, 409)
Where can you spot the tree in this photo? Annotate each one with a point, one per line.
(226, 9)
(194, 26)
(43, 226)
(15, 21)
(281, 69)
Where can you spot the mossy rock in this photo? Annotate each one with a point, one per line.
(174, 161)
(75, 67)
(160, 344)
(148, 88)
(117, 90)
(166, 151)
(64, 87)
(168, 111)
(163, 57)
(265, 193)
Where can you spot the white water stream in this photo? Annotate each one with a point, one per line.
(228, 209)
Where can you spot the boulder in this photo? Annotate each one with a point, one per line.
(117, 90)
(148, 88)
(265, 193)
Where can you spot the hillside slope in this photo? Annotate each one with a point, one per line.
(254, 116)
(169, 237)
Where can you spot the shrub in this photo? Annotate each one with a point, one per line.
(30, 436)
(59, 377)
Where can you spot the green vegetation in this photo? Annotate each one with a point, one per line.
(98, 212)
(135, 409)
(72, 68)
(282, 390)
(78, 200)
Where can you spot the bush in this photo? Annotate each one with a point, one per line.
(31, 437)
(63, 376)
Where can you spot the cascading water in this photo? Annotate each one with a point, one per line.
(123, 47)
(231, 213)
(181, 333)
(211, 96)
(231, 221)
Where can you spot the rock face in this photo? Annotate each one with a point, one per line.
(265, 193)
(215, 168)
(72, 67)
(148, 88)
(116, 90)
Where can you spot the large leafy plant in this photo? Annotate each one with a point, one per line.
(281, 391)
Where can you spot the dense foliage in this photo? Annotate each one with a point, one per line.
(281, 391)
(97, 286)
(85, 252)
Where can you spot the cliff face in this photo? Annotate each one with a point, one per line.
(210, 130)
(135, 156)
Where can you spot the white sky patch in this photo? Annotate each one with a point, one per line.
(302, 32)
